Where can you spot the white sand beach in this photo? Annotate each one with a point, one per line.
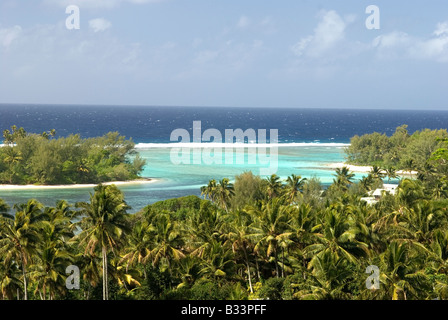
(364, 169)
(74, 186)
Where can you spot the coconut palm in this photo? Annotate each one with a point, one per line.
(294, 186)
(10, 282)
(339, 234)
(331, 273)
(19, 236)
(209, 191)
(409, 166)
(103, 224)
(400, 272)
(440, 188)
(391, 173)
(202, 227)
(240, 241)
(271, 230)
(367, 182)
(218, 262)
(52, 258)
(53, 255)
(377, 173)
(343, 178)
(409, 191)
(138, 247)
(273, 186)
(167, 242)
(223, 193)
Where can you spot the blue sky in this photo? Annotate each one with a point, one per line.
(246, 53)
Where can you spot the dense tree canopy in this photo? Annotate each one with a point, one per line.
(257, 238)
(299, 242)
(402, 150)
(30, 158)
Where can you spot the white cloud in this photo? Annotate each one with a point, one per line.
(99, 24)
(329, 32)
(8, 35)
(398, 45)
(442, 29)
(299, 48)
(243, 22)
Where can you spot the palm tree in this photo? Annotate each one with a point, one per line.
(440, 188)
(409, 191)
(224, 192)
(10, 282)
(331, 273)
(53, 255)
(367, 182)
(218, 262)
(52, 258)
(303, 224)
(409, 166)
(103, 224)
(239, 238)
(391, 173)
(343, 178)
(400, 271)
(273, 186)
(138, 247)
(294, 186)
(19, 236)
(339, 234)
(272, 230)
(202, 228)
(209, 190)
(377, 173)
(167, 242)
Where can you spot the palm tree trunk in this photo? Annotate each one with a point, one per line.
(248, 270)
(105, 293)
(25, 285)
(258, 269)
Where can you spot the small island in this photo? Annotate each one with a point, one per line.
(43, 160)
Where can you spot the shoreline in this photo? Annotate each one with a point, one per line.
(75, 186)
(363, 169)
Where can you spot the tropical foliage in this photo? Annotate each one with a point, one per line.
(291, 240)
(30, 158)
(250, 238)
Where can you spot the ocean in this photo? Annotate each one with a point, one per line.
(307, 140)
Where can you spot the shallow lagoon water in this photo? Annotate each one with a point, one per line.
(176, 180)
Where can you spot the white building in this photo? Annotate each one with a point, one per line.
(375, 195)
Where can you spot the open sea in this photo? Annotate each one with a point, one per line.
(307, 140)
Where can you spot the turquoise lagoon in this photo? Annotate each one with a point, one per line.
(176, 180)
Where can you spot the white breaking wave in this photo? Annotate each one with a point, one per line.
(236, 145)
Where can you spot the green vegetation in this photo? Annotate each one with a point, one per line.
(255, 239)
(401, 151)
(252, 239)
(424, 151)
(41, 159)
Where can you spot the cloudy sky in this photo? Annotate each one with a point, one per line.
(244, 53)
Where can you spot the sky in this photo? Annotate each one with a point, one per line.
(218, 53)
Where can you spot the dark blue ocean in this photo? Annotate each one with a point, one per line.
(155, 124)
(309, 139)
